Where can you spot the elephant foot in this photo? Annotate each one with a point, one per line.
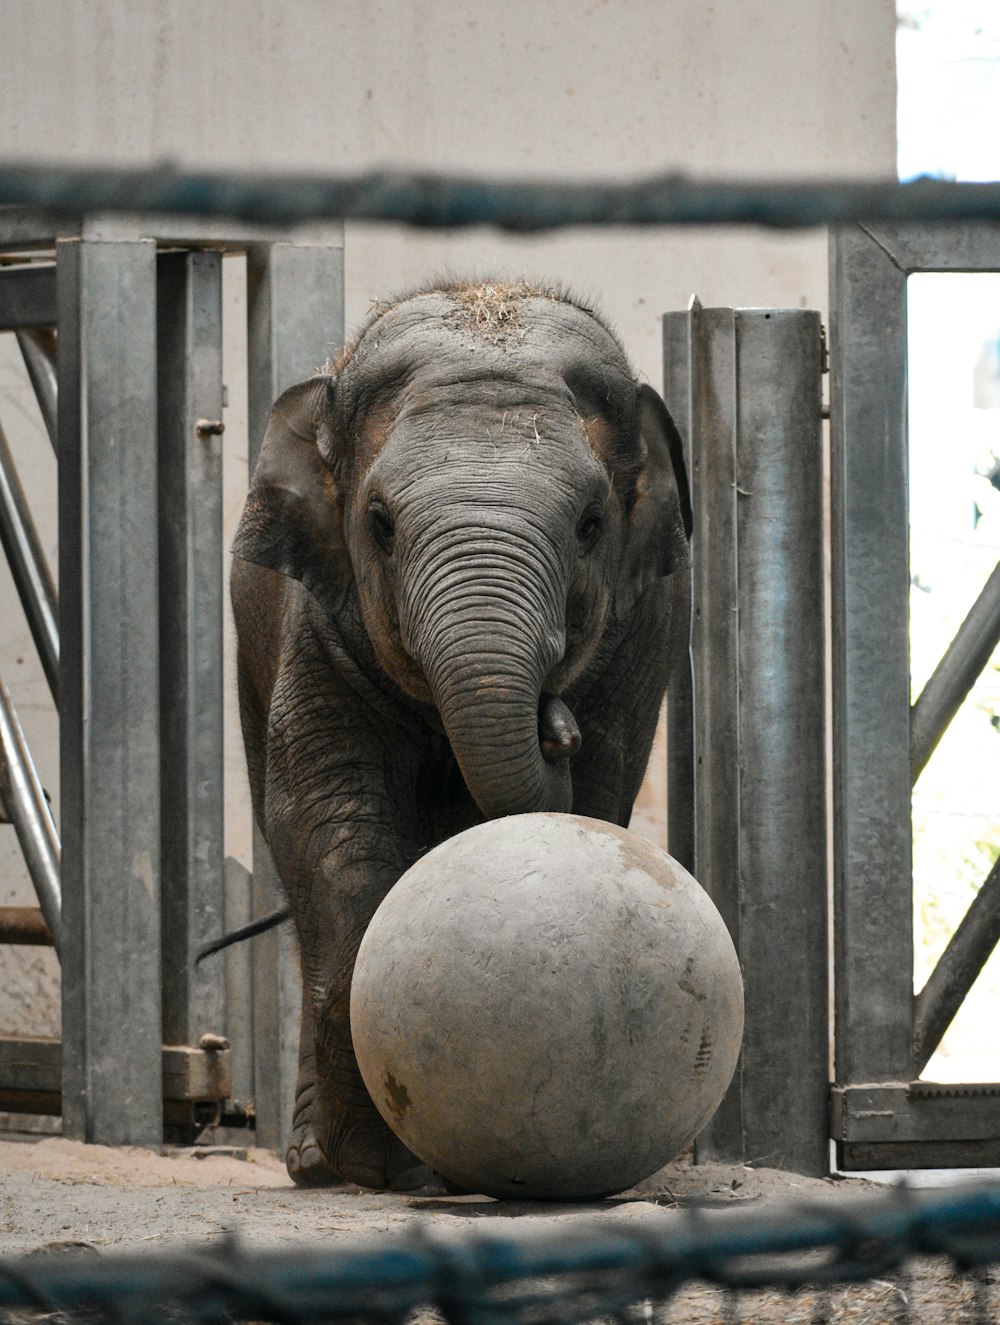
(380, 1162)
(306, 1163)
(361, 1151)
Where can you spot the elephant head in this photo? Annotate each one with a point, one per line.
(482, 486)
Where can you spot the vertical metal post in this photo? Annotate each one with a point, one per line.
(109, 727)
(870, 658)
(189, 333)
(295, 297)
(759, 709)
(678, 390)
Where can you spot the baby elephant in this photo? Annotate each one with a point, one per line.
(459, 587)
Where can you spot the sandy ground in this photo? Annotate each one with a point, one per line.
(54, 1192)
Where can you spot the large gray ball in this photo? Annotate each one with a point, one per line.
(547, 1006)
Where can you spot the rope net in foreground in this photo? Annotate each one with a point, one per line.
(608, 1268)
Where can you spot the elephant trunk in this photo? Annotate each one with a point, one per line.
(486, 643)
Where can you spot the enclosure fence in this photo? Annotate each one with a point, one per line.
(622, 1270)
(607, 1268)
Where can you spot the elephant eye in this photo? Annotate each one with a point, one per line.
(380, 524)
(588, 531)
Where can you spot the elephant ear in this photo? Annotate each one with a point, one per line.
(293, 518)
(658, 529)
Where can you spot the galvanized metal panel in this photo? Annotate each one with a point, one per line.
(296, 321)
(189, 332)
(295, 309)
(27, 296)
(783, 885)
(882, 1113)
(870, 660)
(759, 706)
(865, 1156)
(109, 725)
(944, 246)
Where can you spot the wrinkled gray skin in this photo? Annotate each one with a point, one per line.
(460, 584)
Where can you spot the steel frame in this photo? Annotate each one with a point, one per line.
(137, 304)
(884, 1035)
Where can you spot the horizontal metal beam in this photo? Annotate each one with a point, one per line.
(30, 814)
(957, 970)
(920, 1125)
(955, 674)
(24, 925)
(449, 201)
(27, 297)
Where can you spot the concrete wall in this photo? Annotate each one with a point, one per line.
(566, 87)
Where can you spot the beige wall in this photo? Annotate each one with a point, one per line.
(530, 87)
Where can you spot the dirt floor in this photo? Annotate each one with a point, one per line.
(55, 1192)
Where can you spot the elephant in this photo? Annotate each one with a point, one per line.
(460, 583)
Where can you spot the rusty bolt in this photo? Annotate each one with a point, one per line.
(213, 1043)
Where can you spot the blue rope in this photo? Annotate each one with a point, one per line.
(587, 1270)
(448, 201)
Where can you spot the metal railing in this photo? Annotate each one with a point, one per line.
(427, 199)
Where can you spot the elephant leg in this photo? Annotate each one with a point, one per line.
(335, 885)
(305, 1161)
(349, 1131)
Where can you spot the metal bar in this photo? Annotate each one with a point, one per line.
(25, 925)
(715, 653)
(759, 720)
(783, 883)
(955, 675)
(27, 297)
(109, 725)
(295, 309)
(950, 247)
(441, 200)
(952, 1153)
(29, 567)
(38, 349)
(957, 969)
(677, 392)
(29, 812)
(873, 905)
(915, 1112)
(189, 341)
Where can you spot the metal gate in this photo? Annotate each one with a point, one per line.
(882, 1116)
(120, 323)
(749, 737)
